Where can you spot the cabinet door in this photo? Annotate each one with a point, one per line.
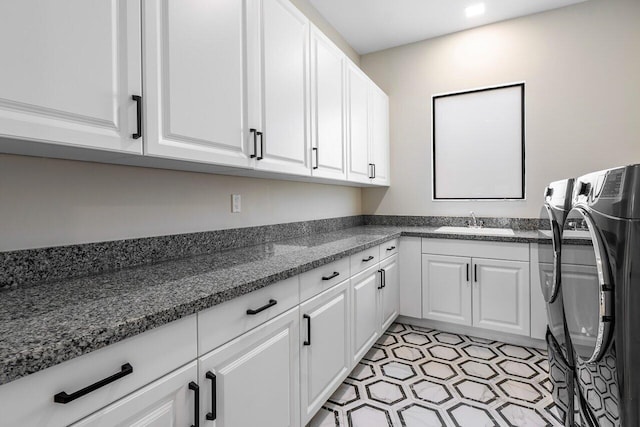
(327, 108)
(365, 311)
(194, 80)
(501, 295)
(325, 357)
(380, 135)
(256, 377)
(390, 293)
(278, 80)
(446, 288)
(167, 402)
(358, 124)
(69, 70)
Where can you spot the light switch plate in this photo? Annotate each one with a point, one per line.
(236, 203)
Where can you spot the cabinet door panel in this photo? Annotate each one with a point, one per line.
(167, 402)
(390, 294)
(69, 70)
(280, 87)
(446, 292)
(194, 80)
(358, 111)
(326, 361)
(327, 81)
(501, 295)
(365, 311)
(380, 135)
(257, 376)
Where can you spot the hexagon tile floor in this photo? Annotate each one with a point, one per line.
(419, 377)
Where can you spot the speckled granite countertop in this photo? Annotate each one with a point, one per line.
(47, 324)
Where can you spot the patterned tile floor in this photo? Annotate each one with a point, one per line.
(419, 377)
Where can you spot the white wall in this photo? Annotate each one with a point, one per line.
(581, 65)
(47, 202)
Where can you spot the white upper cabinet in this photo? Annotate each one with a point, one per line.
(194, 81)
(327, 108)
(379, 136)
(69, 70)
(278, 85)
(359, 168)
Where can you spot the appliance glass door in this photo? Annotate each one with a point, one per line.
(586, 287)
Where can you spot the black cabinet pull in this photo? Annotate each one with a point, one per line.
(271, 303)
(384, 278)
(467, 272)
(370, 170)
(261, 135)
(391, 248)
(374, 170)
(335, 274)
(368, 259)
(138, 100)
(315, 150)
(255, 143)
(211, 416)
(308, 341)
(475, 272)
(63, 397)
(381, 279)
(196, 405)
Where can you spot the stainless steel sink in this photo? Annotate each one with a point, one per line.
(476, 230)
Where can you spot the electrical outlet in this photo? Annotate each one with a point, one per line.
(236, 203)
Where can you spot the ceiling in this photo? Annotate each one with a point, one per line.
(372, 25)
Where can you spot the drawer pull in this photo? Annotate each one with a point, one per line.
(308, 341)
(271, 303)
(368, 259)
(334, 275)
(196, 404)
(63, 397)
(391, 248)
(211, 416)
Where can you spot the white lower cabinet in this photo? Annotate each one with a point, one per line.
(470, 290)
(167, 402)
(446, 288)
(390, 292)
(325, 355)
(501, 295)
(254, 379)
(365, 311)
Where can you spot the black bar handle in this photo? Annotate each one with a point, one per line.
(63, 397)
(368, 259)
(335, 274)
(370, 170)
(308, 341)
(211, 416)
(255, 143)
(475, 272)
(315, 150)
(261, 135)
(384, 278)
(467, 272)
(391, 248)
(196, 405)
(138, 100)
(271, 303)
(374, 170)
(381, 279)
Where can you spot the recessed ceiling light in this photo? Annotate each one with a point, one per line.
(474, 10)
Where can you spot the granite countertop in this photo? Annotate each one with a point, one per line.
(47, 324)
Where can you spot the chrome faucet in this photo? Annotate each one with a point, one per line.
(474, 223)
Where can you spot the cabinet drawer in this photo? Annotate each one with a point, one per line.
(389, 248)
(475, 248)
(317, 280)
(228, 320)
(29, 401)
(364, 259)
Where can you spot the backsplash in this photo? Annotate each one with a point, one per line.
(33, 266)
(523, 224)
